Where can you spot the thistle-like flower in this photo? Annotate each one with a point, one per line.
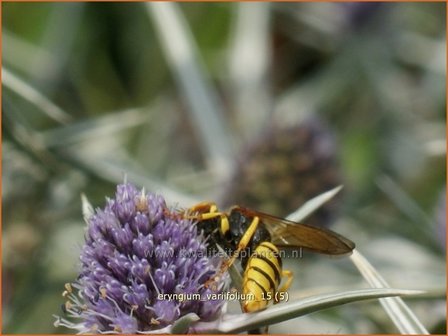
(141, 269)
(287, 166)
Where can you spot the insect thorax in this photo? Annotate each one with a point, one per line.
(238, 227)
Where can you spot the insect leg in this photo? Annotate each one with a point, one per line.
(288, 274)
(204, 207)
(208, 210)
(244, 241)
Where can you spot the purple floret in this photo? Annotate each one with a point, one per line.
(136, 251)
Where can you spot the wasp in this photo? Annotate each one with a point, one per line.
(257, 238)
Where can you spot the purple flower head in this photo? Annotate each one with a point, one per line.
(142, 268)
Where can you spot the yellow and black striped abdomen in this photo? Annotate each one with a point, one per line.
(261, 277)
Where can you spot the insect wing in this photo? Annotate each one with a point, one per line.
(288, 234)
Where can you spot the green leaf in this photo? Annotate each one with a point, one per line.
(181, 325)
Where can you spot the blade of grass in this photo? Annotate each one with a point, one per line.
(405, 203)
(25, 137)
(110, 170)
(206, 110)
(32, 141)
(58, 38)
(400, 314)
(418, 221)
(95, 128)
(312, 205)
(19, 53)
(21, 88)
(249, 70)
(286, 311)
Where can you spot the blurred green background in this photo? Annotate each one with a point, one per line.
(264, 104)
